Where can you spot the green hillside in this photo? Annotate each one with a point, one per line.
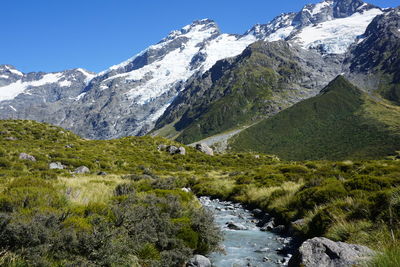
(130, 209)
(236, 92)
(342, 122)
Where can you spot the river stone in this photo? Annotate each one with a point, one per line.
(236, 226)
(199, 261)
(205, 149)
(56, 166)
(321, 251)
(25, 156)
(269, 226)
(82, 169)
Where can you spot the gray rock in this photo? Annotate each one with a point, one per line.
(172, 150)
(24, 156)
(205, 149)
(199, 261)
(82, 170)
(321, 251)
(102, 173)
(181, 151)
(280, 229)
(236, 226)
(162, 147)
(56, 166)
(269, 226)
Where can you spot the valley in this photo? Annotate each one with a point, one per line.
(279, 146)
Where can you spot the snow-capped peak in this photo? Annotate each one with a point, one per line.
(330, 26)
(10, 69)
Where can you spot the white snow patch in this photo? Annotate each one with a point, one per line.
(16, 72)
(226, 46)
(65, 83)
(13, 108)
(4, 77)
(318, 7)
(89, 76)
(174, 67)
(12, 90)
(336, 35)
(280, 34)
(79, 97)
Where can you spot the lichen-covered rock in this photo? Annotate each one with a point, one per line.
(321, 251)
(24, 156)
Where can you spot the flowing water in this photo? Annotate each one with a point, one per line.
(250, 247)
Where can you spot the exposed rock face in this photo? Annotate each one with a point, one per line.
(321, 251)
(328, 26)
(205, 149)
(199, 261)
(24, 156)
(82, 170)
(374, 62)
(40, 96)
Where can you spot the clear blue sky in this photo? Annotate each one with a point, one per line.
(53, 35)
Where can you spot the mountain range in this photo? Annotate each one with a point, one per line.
(198, 84)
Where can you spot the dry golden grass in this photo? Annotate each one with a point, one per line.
(84, 189)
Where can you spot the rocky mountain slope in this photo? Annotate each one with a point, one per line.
(341, 122)
(38, 96)
(265, 79)
(203, 109)
(128, 98)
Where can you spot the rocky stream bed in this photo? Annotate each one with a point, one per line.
(246, 242)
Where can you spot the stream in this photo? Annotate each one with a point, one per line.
(247, 245)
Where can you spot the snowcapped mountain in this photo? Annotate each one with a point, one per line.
(128, 98)
(23, 94)
(330, 26)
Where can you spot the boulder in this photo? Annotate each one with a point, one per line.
(321, 251)
(56, 166)
(102, 173)
(82, 170)
(162, 147)
(205, 149)
(172, 150)
(236, 226)
(199, 261)
(280, 229)
(181, 151)
(25, 156)
(269, 226)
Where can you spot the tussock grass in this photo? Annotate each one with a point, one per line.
(84, 189)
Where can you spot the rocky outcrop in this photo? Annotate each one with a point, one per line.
(173, 150)
(199, 261)
(24, 156)
(321, 251)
